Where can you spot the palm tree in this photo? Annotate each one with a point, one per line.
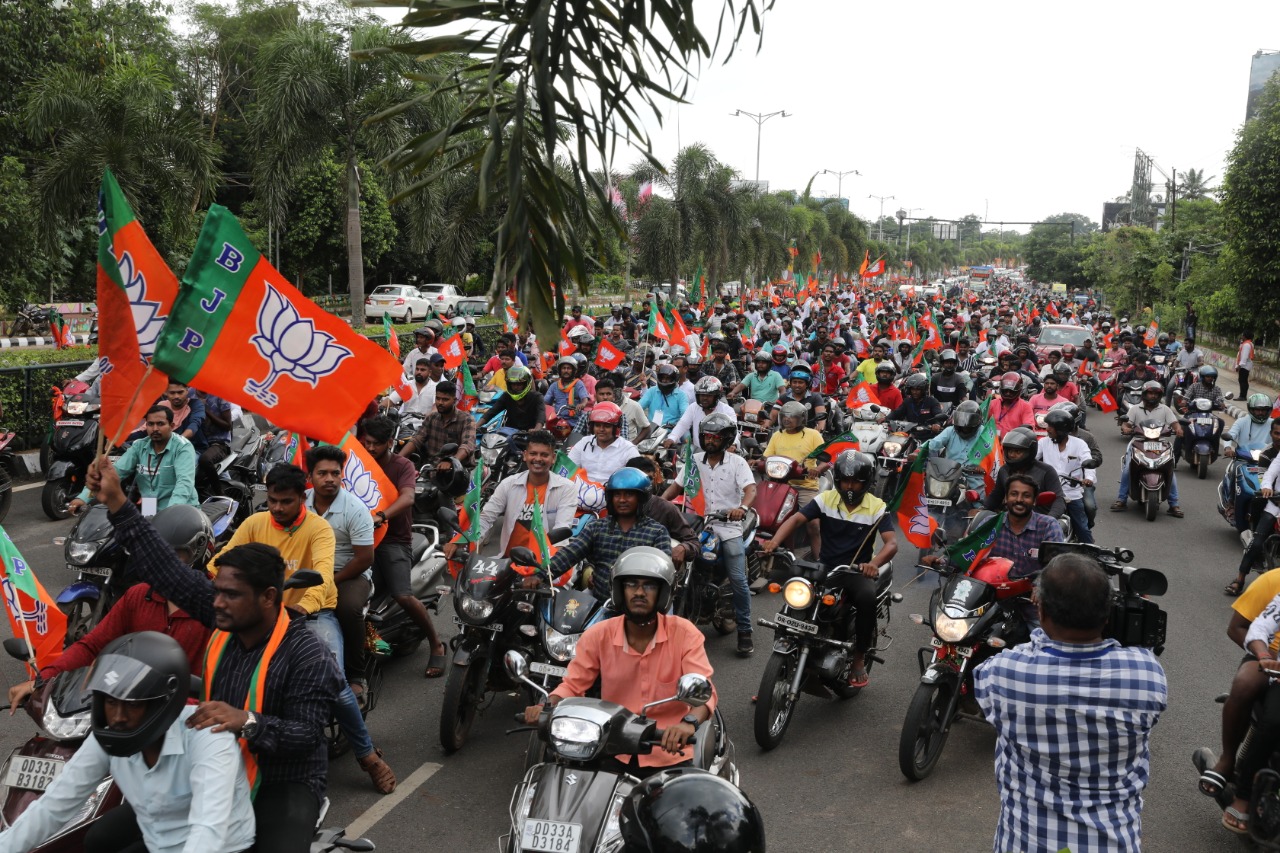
(122, 119)
(1195, 185)
(315, 100)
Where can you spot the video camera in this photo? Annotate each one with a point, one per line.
(1135, 620)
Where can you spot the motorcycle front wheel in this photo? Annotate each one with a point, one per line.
(924, 731)
(80, 619)
(774, 706)
(1153, 505)
(1202, 468)
(463, 691)
(54, 498)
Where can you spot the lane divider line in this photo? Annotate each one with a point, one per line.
(383, 806)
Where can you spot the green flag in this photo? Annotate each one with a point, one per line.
(702, 287)
(538, 528)
(973, 548)
(471, 507)
(16, 568)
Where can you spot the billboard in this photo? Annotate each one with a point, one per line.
(1114, 214)
(1260, 70)
(945, 230)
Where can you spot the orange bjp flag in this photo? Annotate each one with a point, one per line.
(33, 614)
(363, 477)
(239, 330)
(862, 394)
(452, 350)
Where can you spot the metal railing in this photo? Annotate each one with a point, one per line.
(25, 394)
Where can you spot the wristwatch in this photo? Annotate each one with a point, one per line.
(250, 728)
(691, 719)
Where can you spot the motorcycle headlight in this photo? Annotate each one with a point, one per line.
(1163, 458)
(798, 593)
(891, 448)
(560, 646)
(77, 408)
(611, 837)
(937, 488)
(80, 553)
(777, 469)
(950, 630)
(475, 609)
(574, 738)
(66, 728)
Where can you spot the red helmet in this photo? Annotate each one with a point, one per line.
(1011, 381)
(995, 571)
(605, 413)
(779, 354)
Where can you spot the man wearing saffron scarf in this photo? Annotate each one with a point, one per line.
(268, 679)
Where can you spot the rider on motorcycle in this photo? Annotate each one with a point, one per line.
(1020, 458)
(1138, 370)
(796, 441)
(709, 394)
(606, 450)
(1009, 409)
(1068, 455)
(918, 407)
(764, 384)
(956, 441)
(1247, 434)
(525, 411)
(798, 392)
(889, 395)
(638, 655)
(849, 516)
(665, 397)
(1264, 512)
(1206, 386)
(949, 387)
(1149, 409)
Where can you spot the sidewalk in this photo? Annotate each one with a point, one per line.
(1228, 381)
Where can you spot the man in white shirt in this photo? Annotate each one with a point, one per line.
(728, 486)
(1067, 454)
(708, 399)
(605, 451)
(423, 337)
(423, 399)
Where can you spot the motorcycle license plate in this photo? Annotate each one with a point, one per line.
(1153, 446)
(33, 774)
(70, 423)
(962, 651)
(551, 835)
(796, 624)
(1204, 421)
(548, 669)
(938, 501)
(98, 571)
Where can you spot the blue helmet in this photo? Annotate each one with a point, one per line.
(628, 480)
(801, 371)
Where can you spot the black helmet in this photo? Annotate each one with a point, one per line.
(1021, 438)
(642, 562)
(667, 375)
(967, 419)
(1062, 422)
(187, 528)
(1062, 373)
(854, 465)
(719, 424)
(886, 367)
(688, 810)
(916, 380)
(1070, 408)
(451, 480)
(144, 667)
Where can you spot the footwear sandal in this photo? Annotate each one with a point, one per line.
(1176, 512)
(1120, 506)
(859, 679)
(1234, 588)
(1235, 821)
(384, 780)
(1211, 783)
(435, 665)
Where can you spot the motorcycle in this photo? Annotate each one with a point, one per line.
(238, 473)
(869, 428)
(72, 447)
(1200, 440)
(752, 426)
(31, 320)
(946, 493)
(1128, 397)
(61, 709)
(703, 594)
(1243, 475)
(807, 651)
(570, 803)
(8, 463)
(502, 453)
(94, 553)
(390, 621)
(978, 612)
(1160, 362)
(1150, 466)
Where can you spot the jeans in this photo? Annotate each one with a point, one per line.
(733, 556)
(1262, 528)
(115, 832)
(346, 710)
(353, 595)
(1124, 482)
(1090, 504)
(286, 815)
(1080, 520)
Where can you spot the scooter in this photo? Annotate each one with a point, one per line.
(1243, 475)
(570, 803)
(1150, 467)
(389, 620)
(71, 449)
(1128, 397)
(868, 427)
(61, 711)
(1201, 440)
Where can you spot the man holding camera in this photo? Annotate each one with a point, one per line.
(1070, 708)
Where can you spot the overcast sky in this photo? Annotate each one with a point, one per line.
(1019, 109)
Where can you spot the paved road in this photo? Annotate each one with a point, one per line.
(834, 783)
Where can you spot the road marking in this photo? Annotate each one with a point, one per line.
(383, 807)
(27, 486)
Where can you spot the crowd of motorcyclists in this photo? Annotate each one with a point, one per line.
(658, 426)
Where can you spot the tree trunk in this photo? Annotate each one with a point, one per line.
(355, 245)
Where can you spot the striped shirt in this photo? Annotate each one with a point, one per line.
(1073, 723)
(848, 534)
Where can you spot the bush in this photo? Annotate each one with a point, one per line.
(25, 357)
(25, 389)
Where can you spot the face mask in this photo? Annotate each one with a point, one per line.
(852, 498)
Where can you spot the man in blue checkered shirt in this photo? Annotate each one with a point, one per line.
(1073, 715)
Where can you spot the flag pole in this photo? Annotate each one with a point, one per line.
(32, 664)
(121, 431)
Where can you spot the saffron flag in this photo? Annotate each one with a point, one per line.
(877, 268)
(33, 615)
(862, 394)
(913, 513)
(240, 331)
(695, 499)
(135, 291)
(467, 394)
(833, 448)
(1105, 400)
(974, 547)
(363, 477)
(452, 350)
(608, 357)
(931, 338)
(866, 262)
(590, 493)
(58, 329)
(393, 340)
(1153, 333)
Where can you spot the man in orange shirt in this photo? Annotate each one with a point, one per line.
(639, 658)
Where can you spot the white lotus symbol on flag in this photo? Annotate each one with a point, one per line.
(920, 521)
(292, 346)
(147, 319)
(357, 480)
(590, 495)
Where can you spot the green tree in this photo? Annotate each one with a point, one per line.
(1124, 263)
(1053, 255)
(1194, 186)
(1251, 206)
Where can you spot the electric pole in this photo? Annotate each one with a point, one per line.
(760, 119)
(880, 221)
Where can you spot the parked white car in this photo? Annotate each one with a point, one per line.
(442, 297)
(403, 302)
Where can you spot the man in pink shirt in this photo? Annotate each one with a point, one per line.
(1009, 409)
(577, 319)
(639, 658)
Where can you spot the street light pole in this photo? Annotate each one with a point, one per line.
(880, 221)
(840, 179)
(760, 119)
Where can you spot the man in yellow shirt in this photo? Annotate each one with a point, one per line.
(867, 367)
(796, 441)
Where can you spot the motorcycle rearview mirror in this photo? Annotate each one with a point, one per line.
(517, 666)
(524, 556)
(304, 579)
(559, 534)
(1046, 499)
(694, 689)
(448, 517)
(17, 648)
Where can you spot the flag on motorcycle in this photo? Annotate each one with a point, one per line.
(590, 493)
(393, 340)
(974, 547)
(452, 350)
(658, 325)
(239, 330)
(862, 394)
(913, 513)
(58, 329)
(608, 357)
(135, 291)
(469, 520)
(1105, 400)
(833, 448)
(679, 329)
(1153, 333)
(467, 394)
(695, 499)
(33, 615)
(917, 353)
(930, 337)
